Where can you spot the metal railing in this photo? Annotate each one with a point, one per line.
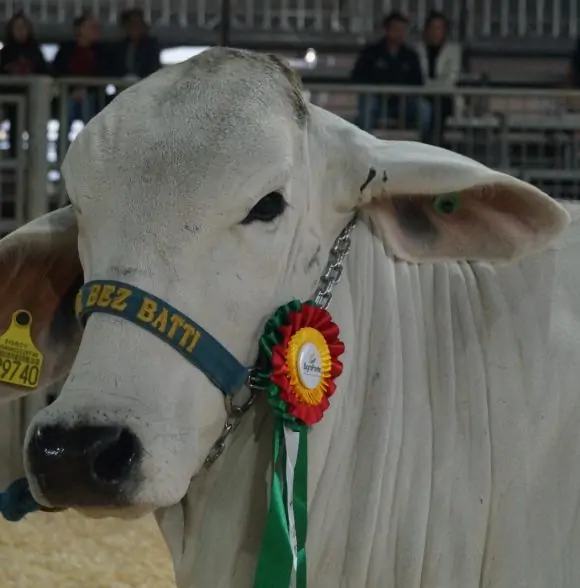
(23, 172)
(533, 134)
(471, 19)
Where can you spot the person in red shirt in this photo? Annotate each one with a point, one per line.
(83, 58)
(20, 56)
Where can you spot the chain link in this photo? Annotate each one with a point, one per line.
(322, 297)
(234, 414)
(333, 271)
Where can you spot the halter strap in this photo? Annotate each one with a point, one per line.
(166, 323)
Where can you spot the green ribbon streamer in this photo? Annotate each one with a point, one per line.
(275, 562)
(301, 507)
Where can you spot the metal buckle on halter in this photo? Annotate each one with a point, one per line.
(234, 414)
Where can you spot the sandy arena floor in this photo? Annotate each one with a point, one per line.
(65, 550)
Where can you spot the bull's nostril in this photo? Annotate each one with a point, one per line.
(113, 464)
(84, 465)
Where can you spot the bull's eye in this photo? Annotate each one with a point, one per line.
(267, 209)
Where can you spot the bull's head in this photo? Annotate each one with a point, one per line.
(215, 187)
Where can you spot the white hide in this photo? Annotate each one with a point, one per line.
(448, 456)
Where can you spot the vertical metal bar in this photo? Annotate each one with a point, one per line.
(147, 11)
(201, 14)
(556, 18)
(267, 23)
(250, 16)
(457, 26)
(468, 18)
(573, 20)
(487, 12)
(540, 7)
(183, 16)
(522, 17)
(368, 15)
(21, 109)
(356, 16)
(284, 14)
(40, 91)
(334, 16)
(112, 17)
(421, 13)
(63, 132)
(166, 12)
(60, 12)
(504, 21)
(26, 8)
(225, 23)
(44, 11)
(301, 15)
(318, 15)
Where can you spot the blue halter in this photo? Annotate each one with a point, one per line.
(168, 324)
(165, 322)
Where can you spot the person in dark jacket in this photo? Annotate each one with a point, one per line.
(84, 57)
(137, 55)
(20, 55)
(390, 61)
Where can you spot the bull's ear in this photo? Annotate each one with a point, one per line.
(430, 204)
(40, 273)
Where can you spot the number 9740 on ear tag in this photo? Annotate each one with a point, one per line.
(20, 360)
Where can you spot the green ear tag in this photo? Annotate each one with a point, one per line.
(446, 203)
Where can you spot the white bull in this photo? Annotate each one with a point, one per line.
(450, 454)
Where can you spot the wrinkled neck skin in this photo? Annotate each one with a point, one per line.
(441, 461)
(215, 533)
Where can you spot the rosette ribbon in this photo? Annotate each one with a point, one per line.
(297, 365)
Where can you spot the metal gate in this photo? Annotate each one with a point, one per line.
(23, 176)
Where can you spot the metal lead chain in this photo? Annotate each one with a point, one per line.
(333, 271)
(234, 414)
(322, 297)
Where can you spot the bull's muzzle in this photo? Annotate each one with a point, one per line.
(84, 465)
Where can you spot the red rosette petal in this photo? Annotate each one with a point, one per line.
(335, 368)
(309, 414)
(319, 319)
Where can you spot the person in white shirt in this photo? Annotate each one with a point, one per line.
(440, 61)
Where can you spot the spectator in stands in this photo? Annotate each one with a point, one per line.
(20, 55)
(83, 57)
(390, 61)
(440, 64)
(137, 55)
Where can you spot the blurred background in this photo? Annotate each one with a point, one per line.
(496, 80)
(493, 79)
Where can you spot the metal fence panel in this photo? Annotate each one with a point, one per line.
(533, 134)
(470, 19)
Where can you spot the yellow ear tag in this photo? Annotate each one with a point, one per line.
(20, 360)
